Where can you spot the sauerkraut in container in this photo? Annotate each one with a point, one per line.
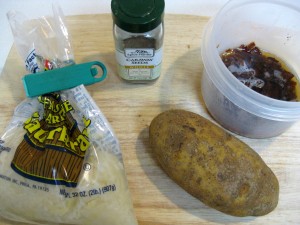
(60, 162)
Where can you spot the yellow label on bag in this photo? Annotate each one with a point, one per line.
(53, 148)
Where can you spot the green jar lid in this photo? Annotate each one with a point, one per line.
(137, 16)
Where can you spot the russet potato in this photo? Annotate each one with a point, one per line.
(213, 165)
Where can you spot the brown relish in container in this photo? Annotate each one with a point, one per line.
(262, 72)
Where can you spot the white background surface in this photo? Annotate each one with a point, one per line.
(38, 8)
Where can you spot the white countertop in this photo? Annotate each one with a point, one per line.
(37, 8)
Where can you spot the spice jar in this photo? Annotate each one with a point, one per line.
(138, 33)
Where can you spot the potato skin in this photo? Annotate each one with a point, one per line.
(213, 165)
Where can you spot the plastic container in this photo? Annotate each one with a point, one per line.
(274, 27)
(138, 33)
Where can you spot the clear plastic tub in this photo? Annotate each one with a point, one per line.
(274, 26)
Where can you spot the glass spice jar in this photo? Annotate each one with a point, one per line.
(138, 31)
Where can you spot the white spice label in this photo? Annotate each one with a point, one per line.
(139, 63)
(141, 52)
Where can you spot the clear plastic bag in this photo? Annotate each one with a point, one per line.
(60, 163)
(43, 43)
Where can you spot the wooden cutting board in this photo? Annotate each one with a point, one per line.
(131, 107)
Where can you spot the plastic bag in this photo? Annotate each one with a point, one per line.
(60, 163)
(43, 43)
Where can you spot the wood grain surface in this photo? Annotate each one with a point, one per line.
(130, 108)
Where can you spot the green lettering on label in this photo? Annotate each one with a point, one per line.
(64, 137)
(53, 132)
(40, 135)
(84, 143)
(68, 106)
(32, 126)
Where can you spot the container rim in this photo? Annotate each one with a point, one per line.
(241, 95)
